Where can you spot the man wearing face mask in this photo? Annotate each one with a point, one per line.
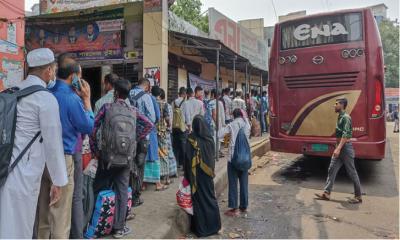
(73, 96)
(38, 112)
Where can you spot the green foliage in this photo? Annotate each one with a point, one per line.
(390, 41)
(190, 11)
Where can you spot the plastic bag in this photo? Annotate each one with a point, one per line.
(184, 196)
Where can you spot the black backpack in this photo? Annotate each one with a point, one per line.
(119, 136)
(8, 119)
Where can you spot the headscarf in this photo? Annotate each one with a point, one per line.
(204, 149)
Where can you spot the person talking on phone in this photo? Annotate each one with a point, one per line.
(76, 115)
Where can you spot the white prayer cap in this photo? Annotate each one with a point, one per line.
(40, 57)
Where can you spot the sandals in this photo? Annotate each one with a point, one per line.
(324, 196)
(232, 213)
(355, 200)
(162, 188)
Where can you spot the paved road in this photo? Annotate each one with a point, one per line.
(282, 203)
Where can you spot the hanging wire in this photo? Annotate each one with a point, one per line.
(273, 6)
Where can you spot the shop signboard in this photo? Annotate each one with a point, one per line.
(56, 6)
(238, 38)
(88, 40)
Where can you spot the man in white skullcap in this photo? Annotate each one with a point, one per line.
(37, 112)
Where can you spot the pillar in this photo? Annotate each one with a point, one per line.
(155, 39)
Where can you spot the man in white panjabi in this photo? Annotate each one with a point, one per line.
(36, 112)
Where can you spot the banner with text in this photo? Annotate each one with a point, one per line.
(238, 38)
(198, 81)
(92, 40)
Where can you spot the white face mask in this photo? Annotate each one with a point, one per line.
(52, 82)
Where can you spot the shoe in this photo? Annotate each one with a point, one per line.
(122, 232)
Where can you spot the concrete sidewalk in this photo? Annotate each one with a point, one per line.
(160, 217)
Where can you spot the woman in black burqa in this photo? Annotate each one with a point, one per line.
(199, 167)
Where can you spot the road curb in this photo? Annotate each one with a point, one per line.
(181, 225)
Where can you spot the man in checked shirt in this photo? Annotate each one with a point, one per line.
(343, 154)
(120, 176)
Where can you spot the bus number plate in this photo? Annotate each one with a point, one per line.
(319, 147)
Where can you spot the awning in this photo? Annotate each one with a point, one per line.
(206, 48)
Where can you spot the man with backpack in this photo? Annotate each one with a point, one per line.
(35, 141)
(179, 127)
(239, 162)
(140, 99)
(118, 122)
(192, 107)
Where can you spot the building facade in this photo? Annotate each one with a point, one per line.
(12, 51)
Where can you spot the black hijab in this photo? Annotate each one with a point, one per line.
(205, 141)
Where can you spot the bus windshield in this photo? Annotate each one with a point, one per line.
(322, 30)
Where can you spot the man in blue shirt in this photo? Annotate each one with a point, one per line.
(73, 96)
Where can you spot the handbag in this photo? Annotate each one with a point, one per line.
(184, 196)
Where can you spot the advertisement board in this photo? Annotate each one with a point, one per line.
(88, 40)
(56, 6)
(238, 38)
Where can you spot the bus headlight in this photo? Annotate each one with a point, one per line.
(282, 60)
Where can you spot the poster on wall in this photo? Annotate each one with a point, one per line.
(12, 33)
(88, 40)
(198, 81)
(7, 47)
(153, 74)
(55, 6)
(11, 73)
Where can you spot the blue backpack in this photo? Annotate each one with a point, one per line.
(208, 114)
(241, 159)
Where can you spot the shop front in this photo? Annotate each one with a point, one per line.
(103, 40)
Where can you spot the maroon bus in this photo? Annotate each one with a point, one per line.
(315, 60)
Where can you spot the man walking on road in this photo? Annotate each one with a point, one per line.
(343, 154)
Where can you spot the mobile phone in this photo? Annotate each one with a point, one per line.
(75, 82)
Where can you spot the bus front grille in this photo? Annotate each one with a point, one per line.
(342, 79)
